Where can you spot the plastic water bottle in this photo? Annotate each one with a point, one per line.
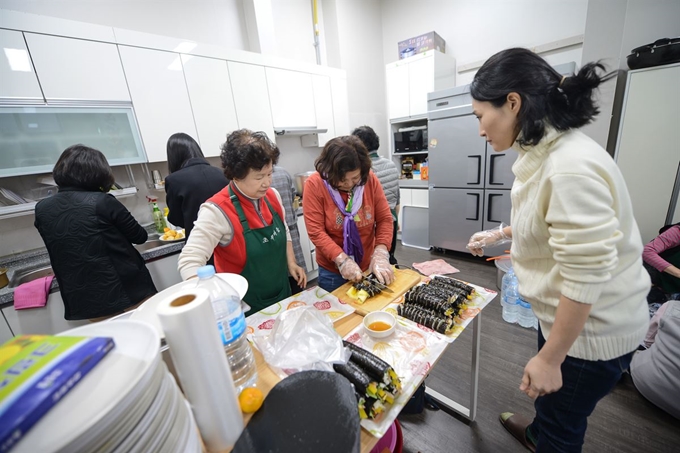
(231, 323)
(526, 315)
(507, 278)
(511, 307)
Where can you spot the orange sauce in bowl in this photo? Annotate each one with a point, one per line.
(379, 326)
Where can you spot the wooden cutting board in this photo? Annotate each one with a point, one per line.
(405, 279)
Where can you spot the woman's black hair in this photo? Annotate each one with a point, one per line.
(83, 167)
(340, 155)
(181, 147)
(547, 96)
(245, 150)
(368, 136)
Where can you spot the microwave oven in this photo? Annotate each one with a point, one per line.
(410, 141)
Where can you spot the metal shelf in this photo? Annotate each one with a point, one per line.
(7, 212)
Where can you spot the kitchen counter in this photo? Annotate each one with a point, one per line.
(38, 258)
(413, 183)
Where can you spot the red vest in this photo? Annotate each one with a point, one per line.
(232, 258)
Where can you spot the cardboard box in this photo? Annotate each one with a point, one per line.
(420, 44)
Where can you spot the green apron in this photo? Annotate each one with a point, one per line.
(669, 283)
(266, 266)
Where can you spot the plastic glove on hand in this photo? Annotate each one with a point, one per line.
(381, 267)
(350, 270)
(487, 238)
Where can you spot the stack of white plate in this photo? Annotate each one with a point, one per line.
(127, 403)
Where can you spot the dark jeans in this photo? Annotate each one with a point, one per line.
(562, 417)
(393, 246)
(294, 287)
(330, 281)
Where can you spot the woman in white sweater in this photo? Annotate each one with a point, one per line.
(576, 248)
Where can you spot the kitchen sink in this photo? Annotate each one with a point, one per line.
(29, 275)
(150, 244)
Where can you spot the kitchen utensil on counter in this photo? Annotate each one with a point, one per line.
(307, 411)
(379, 324)
(4, 281)
(382, 286)
(301, 179)
(404, 279)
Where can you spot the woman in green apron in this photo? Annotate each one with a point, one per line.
(242, 225)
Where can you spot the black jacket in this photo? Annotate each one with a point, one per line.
(89, 238)
(188, 188)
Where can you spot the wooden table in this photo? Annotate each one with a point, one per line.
(267, 379)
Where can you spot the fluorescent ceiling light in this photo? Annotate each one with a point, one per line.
(18, 60)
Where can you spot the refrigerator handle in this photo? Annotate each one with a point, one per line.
(490, 203)
(479, 170)
(477, 210)
(491, 169)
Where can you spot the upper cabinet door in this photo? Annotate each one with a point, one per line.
(75, 69)
(291, 97)
(323, 102)
(211, 101)
(19, 81)
(251, 97)
(421, 82)
(159, 97)
(340, 106)
(398, 91)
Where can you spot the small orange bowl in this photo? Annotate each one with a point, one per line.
(380, 324)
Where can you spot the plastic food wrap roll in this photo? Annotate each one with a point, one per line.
(197, 353)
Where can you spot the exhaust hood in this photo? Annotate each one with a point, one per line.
(299, 130)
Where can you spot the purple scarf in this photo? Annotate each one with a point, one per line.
(351, 241)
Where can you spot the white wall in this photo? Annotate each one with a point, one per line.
(613, 29)
(293, 29)
(219, 22)
(360, 47)
(476, 29)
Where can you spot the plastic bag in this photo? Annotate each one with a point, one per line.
(302, 339)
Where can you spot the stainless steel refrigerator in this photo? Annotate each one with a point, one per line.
(469, 185)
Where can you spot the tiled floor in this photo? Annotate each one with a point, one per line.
(622, 422)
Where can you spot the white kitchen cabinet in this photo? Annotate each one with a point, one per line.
(420, 198)
(164, 271)
(76, 69)
(306, 244)
(19, 81)
(291, 97)
(648, 159)
(405, 199)
(397, 90)
(212, 101)
(323, 105)
(47, 320)
(420, 82)
(5, 332)
(411, 79)
(251, 97)
(159, 96)
(340, 106)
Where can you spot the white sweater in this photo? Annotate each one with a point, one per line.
(574, 234)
